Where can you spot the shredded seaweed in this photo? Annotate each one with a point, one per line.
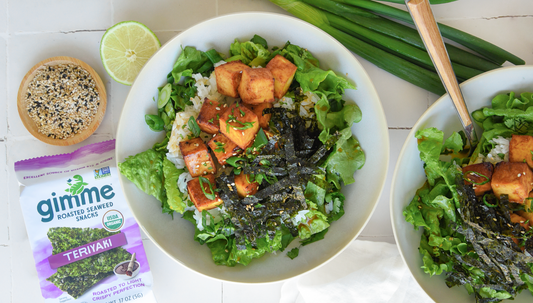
(292, 155)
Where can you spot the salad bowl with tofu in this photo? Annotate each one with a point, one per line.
(462, 217)
(242, 152)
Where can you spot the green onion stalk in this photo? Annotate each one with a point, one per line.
(487, 49)
(409, 35)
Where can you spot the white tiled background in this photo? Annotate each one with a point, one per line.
(31, 31)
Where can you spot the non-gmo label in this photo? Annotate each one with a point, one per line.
(113, 220)
(102, 172)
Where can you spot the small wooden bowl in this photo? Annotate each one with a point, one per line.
(30, 124)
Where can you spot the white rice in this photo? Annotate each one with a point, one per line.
(304, 108)
(501, 147)
(206, 88)
(300, 217)
(182, 182)
(215, 212)
(328, 207)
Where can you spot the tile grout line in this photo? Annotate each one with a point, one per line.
(10, 247)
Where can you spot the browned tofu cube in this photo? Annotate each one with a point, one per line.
(239, 124)
(514, 179)
(209, 115)
(476, 174)
(258, 111)
(244, 186)
(199, 198)
(515, 218)
(283, 71)
(257, 86)
(229, 77)
(520, 148)
(197, 158)
(223, 148)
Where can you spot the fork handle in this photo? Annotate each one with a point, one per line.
(427, 27)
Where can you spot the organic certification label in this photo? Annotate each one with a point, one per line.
(113, 220)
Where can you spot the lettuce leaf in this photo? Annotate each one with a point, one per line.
(311, 77)
(250, 53)
(189, 61)
(313, 222)
(346, 159)
(174, 195)
(145, 170)
(225, 251)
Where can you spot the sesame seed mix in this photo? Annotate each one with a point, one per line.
(62, 100)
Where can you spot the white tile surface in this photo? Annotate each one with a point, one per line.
(3, 86)
(235, 293)
(5, 280)
(511, 34)
(4, 203)
(31, 31)
(3, 16)
(402, 101)
(164, 15)
(58, 16)
(173, 281)
(470, 9)
(234, 6)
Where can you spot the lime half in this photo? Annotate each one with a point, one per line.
(125, 48)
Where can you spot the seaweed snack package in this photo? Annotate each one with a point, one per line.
(86, 243)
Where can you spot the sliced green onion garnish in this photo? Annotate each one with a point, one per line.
(208, 196)
(245, 125)
(164, 95)
(193, 126)
(476, 174)
(233, 161)
(155, 122)
(261, 139)
(487, 203)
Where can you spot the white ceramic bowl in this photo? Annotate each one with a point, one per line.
(409, 173)
(175, 237)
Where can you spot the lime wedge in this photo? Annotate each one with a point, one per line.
(125, 48)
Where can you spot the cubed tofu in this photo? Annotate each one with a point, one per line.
(515, 218)
(258, 111)
(257, 86)
(244, 186)
(283, 71)
(223, 148)
(514, 179)
(520, 148)
(198, 196)
(476, 174)
(228, 77)
(208, 118)
(239, 124)
(197, 158)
